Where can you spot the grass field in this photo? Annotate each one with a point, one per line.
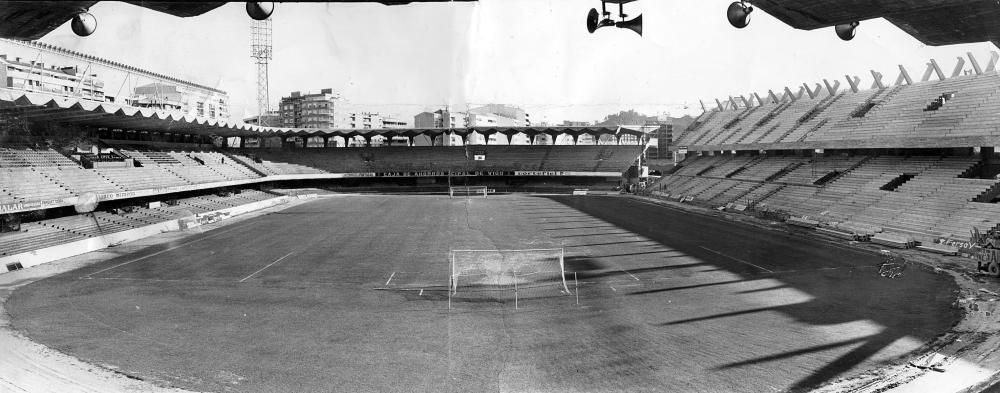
(348, 294)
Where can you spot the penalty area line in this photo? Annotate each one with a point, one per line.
(737, 259)
(630, 274)
(265, 267)
(91, 275)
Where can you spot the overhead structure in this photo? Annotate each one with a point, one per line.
(260, 51)
(259, 10)
(932, 22)
(84, 24)
(597, 20)
(31, 20)
(739, 14)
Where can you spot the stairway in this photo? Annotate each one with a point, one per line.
(234, 159)
(784, 171)
(846, 171)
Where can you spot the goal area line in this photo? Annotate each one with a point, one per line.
(513, 250)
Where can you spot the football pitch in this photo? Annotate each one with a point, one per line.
(351, 294)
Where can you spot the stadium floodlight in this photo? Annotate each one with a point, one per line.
(260, 10)
(739, 14)
(847, 31)
(504, 275)
(84, 24)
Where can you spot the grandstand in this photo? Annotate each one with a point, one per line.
(954, 112)
(916, 195)
(46, 233)
(913, 159)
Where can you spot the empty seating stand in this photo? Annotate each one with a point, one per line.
(598, 158)
(33, 174)
(921, 197)
(53, 232)
(960, 106)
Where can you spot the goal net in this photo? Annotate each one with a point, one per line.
(508, 275)
(467, 191)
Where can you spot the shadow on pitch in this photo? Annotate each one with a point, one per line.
(547, 222)
(593, 234)
(590, 268)
(918, 305)
(613, 244)
(575, 228)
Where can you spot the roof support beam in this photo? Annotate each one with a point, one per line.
(992, 65)
(703, 108)
(809, 91)
(904, 76)
(975, 64)
(788, 93)
(932, 68)
(719, 103)
(733, 102)
(759, 101)
(772, 97)
(832, 89)
(877, 83)
(959, 66)
(854, 82)
(746, 104)
(937, 70)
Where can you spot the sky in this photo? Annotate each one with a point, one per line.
(536, 54)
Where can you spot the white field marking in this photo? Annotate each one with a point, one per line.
(823, 268)
(390, 278)
(631, 285)
(421, 292)
(615, 282)
(265, 267)
(154, 280)
(526, 249)
(630, 274)
(738, 260)
(89, 276)
(395, 289)
(612, 288)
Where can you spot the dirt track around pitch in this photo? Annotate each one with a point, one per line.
(669, 301)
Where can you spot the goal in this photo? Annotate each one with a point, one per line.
(467, 191)
(508, 275)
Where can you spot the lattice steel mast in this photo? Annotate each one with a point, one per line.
(260, 51)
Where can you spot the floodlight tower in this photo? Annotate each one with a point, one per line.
(260, 51)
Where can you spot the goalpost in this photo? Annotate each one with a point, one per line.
(467, 191)
(508, 275)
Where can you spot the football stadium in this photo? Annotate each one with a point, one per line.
(839, 235)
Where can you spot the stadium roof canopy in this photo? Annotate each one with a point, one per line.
(933, 22)
(38, 107)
